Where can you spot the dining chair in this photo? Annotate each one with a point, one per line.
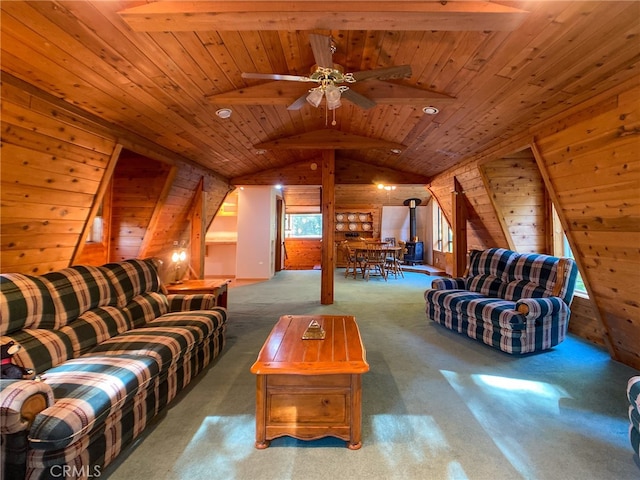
(392, 264)
(375, 260)
(354, 260)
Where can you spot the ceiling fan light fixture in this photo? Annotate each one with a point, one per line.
(224, 112)
(333, 96)
(315, 96)
(430, 110)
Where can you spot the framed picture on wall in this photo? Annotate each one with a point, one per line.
(390, 240)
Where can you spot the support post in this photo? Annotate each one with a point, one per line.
(459, 229)
(328, 219)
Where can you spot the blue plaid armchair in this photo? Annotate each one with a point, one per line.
(111, 350)
(518, 303)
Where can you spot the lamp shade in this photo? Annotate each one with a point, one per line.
(333, 97)
(315, 97)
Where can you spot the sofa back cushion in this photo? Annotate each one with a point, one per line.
(41, 349)
(132, 278)
(493, 261)
(488, 285)
(75, 290)
(24, 303)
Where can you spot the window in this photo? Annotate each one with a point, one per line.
(303, 225)
(561, 248)
(566, 252)
(96, 232)
(442, 234)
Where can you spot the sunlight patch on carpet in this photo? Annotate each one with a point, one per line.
(219, 445)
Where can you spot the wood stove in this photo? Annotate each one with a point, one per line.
(414, 249)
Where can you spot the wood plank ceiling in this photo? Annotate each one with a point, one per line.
(492, 69)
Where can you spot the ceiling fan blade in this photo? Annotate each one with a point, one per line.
(299, 103)
(277, 76)
(388, 73)
(321, 46)
(360, 100)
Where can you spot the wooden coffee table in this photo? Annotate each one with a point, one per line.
(309, 389)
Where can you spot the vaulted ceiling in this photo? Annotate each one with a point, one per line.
(160, 71)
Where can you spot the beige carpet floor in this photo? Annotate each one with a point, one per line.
(436, 405)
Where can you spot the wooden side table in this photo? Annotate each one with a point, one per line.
(217, 287)
(309, 389)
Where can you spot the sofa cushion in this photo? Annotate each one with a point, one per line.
(206, 321)
(94, 327)
(145, 307)
(633, 392)
(75, 290)
(132, 277)
(492, 261)
(501, 313)
(518, 289)
(181, 302)
(87, 390)
(535, 268)
(487, 285)
(164, 344)
(41, 349)
(24, 303)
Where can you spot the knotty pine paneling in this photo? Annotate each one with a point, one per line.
(51, 170)
(302, 254)
(138, 183)
(483, 227)
(593, 168)
(53, 162)
(519, 196)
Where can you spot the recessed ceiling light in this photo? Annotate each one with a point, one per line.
(430, 110)
(397, 151)
(260, 151)
(224, 113)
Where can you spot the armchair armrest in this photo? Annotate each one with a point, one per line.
(184, 302)
(534, 308)
(445, 283)
(20, 402)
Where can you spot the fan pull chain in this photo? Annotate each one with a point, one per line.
(334, 118)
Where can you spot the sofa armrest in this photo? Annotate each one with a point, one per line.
(534, 308)
(445, 283)
(20, 402)
(184, 302)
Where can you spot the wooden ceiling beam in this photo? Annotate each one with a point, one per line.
(328, 139)
(220, 15)
(285, 93)
(347, 172)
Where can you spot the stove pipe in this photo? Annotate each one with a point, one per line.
(412, 203)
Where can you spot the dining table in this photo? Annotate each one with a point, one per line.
(361, 250)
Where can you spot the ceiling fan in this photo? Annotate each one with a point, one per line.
(331, 78)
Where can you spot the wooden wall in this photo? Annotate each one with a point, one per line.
(519, 197)
(592, 166)
(57, 162)
(302, 254)
(52, 167)
(588, 159)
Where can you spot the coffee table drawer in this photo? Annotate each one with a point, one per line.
(308, 408)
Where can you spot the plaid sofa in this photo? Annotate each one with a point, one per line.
(518, 303)
(633, 394)
(111, 350)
